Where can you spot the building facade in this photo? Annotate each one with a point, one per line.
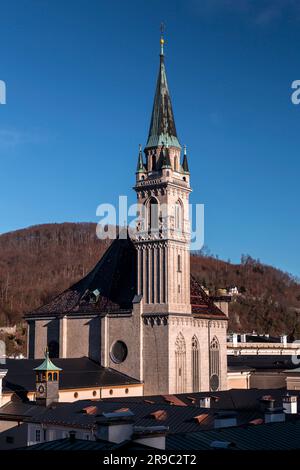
(139, 311)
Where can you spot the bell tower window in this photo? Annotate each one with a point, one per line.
(178, 215)
(153, 214)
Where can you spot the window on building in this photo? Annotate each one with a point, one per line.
(195, 364)
(38, 435)
(180, 366)
(175, 163)
(10, 439)
(179, 263)
(153, 214)
(76, 395)
(214, 364)
(178, 215)
(153, 162)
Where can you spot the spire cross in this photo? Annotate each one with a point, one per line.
(162, 41)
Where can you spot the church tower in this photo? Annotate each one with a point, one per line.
(163, 229)
(47, 382)
(183, 334)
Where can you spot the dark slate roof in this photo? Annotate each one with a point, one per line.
(70, 444)
(263, 363)
(76, 373)
(84, 445)
(233, 399)
(273, 436)
(176, 418)
(114, 276)
(162, 127)
(202, 305)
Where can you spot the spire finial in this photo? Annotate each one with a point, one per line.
(184, 150)
(162, 41)
(140, 147)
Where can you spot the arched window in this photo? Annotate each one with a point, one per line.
(180, 357)
(153, 162)
(153, 214)
(175, 163)
(178, 215)
(214, 364)
(195, 364)
(55, 376)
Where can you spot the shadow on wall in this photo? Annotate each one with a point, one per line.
(94, 348)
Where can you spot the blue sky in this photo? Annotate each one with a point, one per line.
(80, 80)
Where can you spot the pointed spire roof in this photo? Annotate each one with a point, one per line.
(162, 126)
(47, 365)
(185, 165)
(140, 164)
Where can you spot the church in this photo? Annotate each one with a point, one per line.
(139, 311)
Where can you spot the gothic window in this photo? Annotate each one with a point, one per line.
(180, 358)
(178, 215)
(153, 162)
(214, 364)
(195, 364)
(175, 163)
(153, 214)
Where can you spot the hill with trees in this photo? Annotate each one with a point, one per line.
(39, 262)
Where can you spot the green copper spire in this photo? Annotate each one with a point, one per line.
(47, 365)
(140, 165)
(185, 165)
(162, 127)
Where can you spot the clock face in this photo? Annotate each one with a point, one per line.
(41, 389)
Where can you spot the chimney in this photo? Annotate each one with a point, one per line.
(115, 426)
(243, 338)
(204, 402)
(290, 405)
(274, 414)
(151, 436)
(283, 340)
(234, 339)
(225, 419)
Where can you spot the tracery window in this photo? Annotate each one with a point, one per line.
(214, 364)
(195, 364)
(180, 357)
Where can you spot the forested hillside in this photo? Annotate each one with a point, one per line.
(38, 262)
